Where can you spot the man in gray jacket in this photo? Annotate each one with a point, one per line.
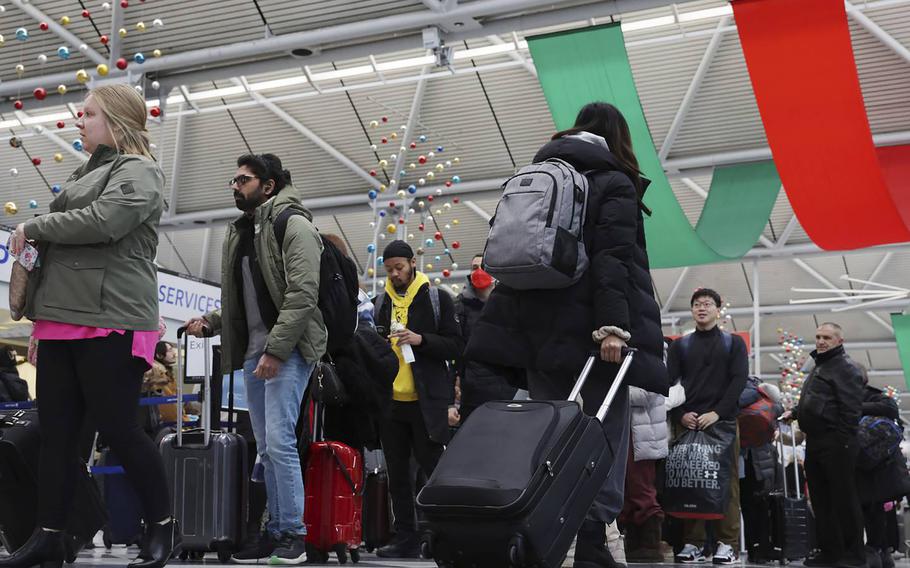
(272, 328)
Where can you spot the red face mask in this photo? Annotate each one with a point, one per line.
(480, 279)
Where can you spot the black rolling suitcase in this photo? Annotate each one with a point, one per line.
(20, 446)
(208, 475)
(514, 485)
(377, 509)
(791, 518)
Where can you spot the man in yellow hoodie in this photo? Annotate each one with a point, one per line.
(421, 324)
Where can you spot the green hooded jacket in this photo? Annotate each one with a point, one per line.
(291, 274)
(97, 246)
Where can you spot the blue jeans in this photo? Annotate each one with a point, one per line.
(274, 409)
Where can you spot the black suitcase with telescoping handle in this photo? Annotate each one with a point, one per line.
(514, 485)
(207, 474)
(791, 519)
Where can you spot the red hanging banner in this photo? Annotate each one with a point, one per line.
(844, 192)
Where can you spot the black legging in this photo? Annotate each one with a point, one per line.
(98, 378)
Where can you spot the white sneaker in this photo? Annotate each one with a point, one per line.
(725, 554)
(691, 554)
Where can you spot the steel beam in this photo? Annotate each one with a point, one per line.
(116, 43)
(53, 137)
(792, 224)
(175, 164)
(668, 302)
(515, 55)
(410, 129)
(788, 309)
(480, 211)
(312, 137)
(700, 72)
(204, 257)
(881, 35)
(59, 31)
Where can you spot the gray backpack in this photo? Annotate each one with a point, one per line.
(536, 234)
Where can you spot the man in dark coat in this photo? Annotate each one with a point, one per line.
(548, 333)
(480, 383)
(420, 321)
(888, 481)
(828, 412)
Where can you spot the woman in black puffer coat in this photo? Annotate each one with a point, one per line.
(548, 334)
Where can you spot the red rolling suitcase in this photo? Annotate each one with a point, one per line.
(333, 506)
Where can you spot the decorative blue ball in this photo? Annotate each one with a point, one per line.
(382, 213)
(439, 148)
(429, 242)
(446, 251)
(22, 34)
(422, 138)
(403, 173)
(379, 260)
(32, 204)
(63, 52)
(456, 179)
(412, 189)
(438, 258)
(371, 247)
(373, 194)
(77, 144)
(139, 58)
(55, 189)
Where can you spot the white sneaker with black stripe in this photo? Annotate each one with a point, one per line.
(725, 554)
(691, 554)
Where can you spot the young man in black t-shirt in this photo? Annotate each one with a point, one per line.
(713, 366)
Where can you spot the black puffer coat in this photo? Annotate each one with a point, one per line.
(890, 480)
(550, 330)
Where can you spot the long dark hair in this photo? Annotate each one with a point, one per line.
(605, 120)
(266, 166)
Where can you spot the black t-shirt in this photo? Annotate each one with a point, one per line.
(712, 376)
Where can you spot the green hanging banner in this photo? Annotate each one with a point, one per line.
(578, 67)
(901, 324)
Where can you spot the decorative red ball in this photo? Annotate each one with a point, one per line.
(124, 4)
(401, 220)
(421, 227)
(61, 124)
(36, 161)
(429, 198)
(86, 14)
(79, 114)
(391, 205)
(121, 63)
(456, 245)
(154, 111)
(384, 140)
(40, 93)
(43, 26)
(446, 273)
(456, 200)
(422, 159)
(384, 119)
(373, 173)
(413, 145)
(18, 105)
(438, 236)
(104, 40)
(448, 184)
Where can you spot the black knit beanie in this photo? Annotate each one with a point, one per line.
(398, 249)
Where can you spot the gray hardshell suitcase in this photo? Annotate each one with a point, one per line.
(536, 237)
(514, 485)
(207, 476)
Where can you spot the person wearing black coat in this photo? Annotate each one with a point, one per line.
(828, 412)
(423, 390)
(888, 481)
(480, 382)
(549, 334)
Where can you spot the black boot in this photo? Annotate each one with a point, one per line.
(887, 559)
(44, 548)
(160, 544)
(591, 547)
(648, 549)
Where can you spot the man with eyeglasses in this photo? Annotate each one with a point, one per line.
(272, 328)
(713, 366)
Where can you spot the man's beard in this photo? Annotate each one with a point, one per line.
(246, 204)
(407, 279)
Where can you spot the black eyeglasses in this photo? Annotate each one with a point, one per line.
(241, 180)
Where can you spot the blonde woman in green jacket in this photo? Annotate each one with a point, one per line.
(95, 308)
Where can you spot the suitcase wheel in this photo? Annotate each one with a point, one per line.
(225, 551)
(355, 555)
(184, 555)
(517, 551)
(426, 547)
(341, 551)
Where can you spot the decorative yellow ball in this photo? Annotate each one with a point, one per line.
(102, 69)
(65, 21)
(156, 53)
(10, 208)
(431, 176)
(140, 26)
(122, 33)
(456, 161)
(455, 222)
(82, 76)
(429, 266)
(370, 272)
(392, 228)
(383, 163)
(440, 167)
(61, 89)
(58, 157)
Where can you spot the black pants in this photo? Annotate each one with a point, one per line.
(830, 472)
(875, 520)
(756, 513)
(543, 386)
(98, 379)
(403, 434)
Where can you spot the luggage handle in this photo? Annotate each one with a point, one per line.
(780, 443)
(207, 387)
(628, 353)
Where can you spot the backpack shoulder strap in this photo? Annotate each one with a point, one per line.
(434, 300)
(728, 341)
(280, 225)
(684, 342)
(377, 304)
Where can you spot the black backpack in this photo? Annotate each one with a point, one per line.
(339, 286)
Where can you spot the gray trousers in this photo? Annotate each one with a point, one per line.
(544, 386)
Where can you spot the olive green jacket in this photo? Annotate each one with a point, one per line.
(291, 274)
(97, 246)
